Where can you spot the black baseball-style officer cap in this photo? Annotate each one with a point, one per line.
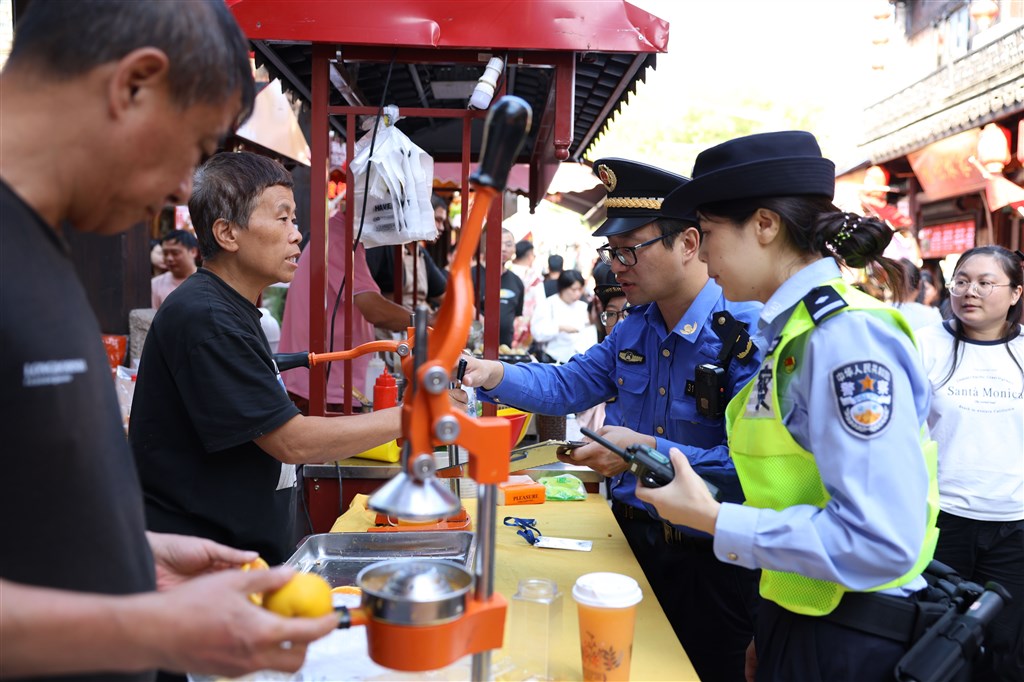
(635, 194)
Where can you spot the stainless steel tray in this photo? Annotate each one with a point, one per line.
(338, 557)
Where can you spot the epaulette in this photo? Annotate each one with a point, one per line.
(823, 301)
(736, 342)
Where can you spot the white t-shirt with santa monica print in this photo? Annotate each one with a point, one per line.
(977, 418)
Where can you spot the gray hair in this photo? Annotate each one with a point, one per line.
(207, 51)
(229, 186)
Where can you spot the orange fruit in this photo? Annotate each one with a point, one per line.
(256, 564)
(306, 595)
(347, 589)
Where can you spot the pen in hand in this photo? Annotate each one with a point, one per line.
(459, 373)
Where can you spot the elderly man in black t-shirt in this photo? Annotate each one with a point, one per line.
(215, 435)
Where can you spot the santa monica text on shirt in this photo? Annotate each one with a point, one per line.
(986, 392)
(51, 372)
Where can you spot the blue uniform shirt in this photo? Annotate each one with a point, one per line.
(646, 367)
(875, 521)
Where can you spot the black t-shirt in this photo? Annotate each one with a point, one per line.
(512, 295)
(206, 388)
(71, 509)
(380, 260)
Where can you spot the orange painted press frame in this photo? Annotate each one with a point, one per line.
(428, 647)
(481, 626)
(486, 438)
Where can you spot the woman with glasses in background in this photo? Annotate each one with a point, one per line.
(612, 308)
(975, 362)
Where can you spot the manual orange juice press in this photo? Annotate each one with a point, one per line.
(421, 614)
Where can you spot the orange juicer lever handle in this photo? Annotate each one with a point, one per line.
(486, 439)
(504, 135)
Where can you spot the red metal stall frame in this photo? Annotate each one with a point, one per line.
(562, 91)
(532, 32)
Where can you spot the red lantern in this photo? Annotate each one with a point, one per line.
(876, 179)
(994, 148)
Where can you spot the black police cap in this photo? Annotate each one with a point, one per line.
(635, 194)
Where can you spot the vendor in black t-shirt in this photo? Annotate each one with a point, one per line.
(215, 436)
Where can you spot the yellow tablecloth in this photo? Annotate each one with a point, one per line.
(657, 654)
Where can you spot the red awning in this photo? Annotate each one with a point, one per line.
(575, 62)
(590, 26)
(447, 174)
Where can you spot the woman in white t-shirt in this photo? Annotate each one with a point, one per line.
(560, 323)
(975, 363)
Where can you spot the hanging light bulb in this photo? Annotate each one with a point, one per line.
(883, 10)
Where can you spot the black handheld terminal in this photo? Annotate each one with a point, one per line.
(650, 467)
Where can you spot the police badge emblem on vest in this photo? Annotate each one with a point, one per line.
(864, 393)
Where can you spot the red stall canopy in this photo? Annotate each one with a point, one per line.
(574, 62)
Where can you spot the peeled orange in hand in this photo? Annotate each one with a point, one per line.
(306, 595)
(255, 565)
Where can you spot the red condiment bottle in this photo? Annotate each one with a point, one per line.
(385, 391)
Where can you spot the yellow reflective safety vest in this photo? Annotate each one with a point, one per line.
(777, 473)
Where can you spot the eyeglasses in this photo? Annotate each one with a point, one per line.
(612, 316)
(959, 287)
(626, 254)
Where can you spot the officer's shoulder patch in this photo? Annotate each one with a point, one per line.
(863, 391)
(631, 357)
(823, 301)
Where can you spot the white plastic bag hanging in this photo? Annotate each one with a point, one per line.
(398, 209)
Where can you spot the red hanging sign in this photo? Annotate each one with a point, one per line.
(938, 241)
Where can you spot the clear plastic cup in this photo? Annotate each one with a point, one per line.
(536, 628)
(606, 603)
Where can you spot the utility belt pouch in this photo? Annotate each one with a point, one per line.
(929, 611)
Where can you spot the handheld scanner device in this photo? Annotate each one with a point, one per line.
(650, 467)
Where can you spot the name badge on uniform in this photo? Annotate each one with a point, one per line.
(863, 391)
(631, 357)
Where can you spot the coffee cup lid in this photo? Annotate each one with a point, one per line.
(608, 590)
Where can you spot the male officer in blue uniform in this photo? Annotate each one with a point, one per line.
(648, 364)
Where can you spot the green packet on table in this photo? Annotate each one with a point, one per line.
(564, 487)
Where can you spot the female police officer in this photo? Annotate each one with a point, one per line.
(827, 439)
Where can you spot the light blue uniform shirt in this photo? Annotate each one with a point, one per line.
(646, 367)
(872, 529)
